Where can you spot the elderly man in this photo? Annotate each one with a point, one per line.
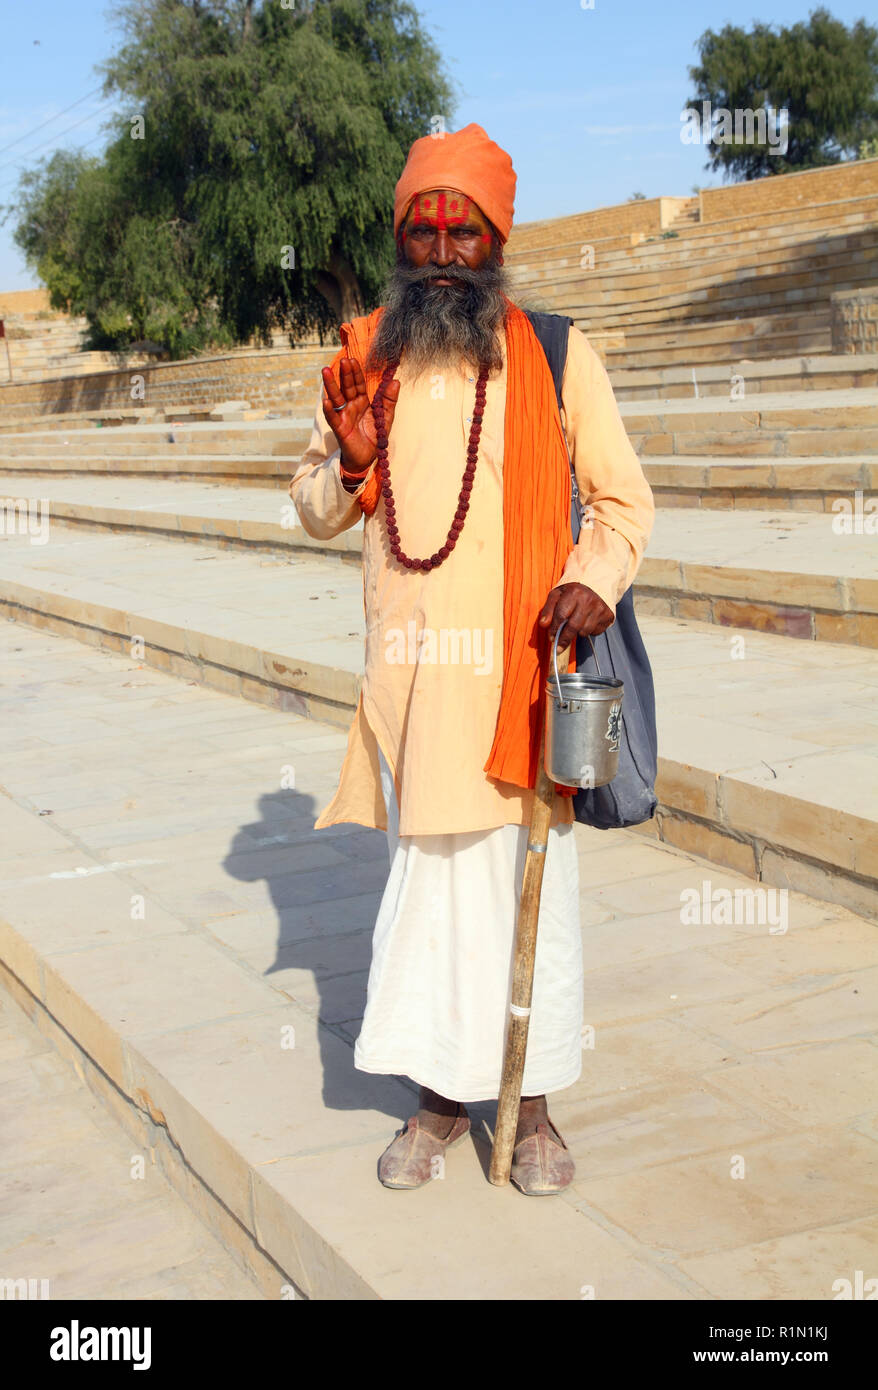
(438, 424)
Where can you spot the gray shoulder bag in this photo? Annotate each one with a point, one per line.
(630, 798)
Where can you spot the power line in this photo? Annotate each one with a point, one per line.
(29, 133)
(15, 163)
(93, 141)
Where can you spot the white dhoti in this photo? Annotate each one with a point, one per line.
(440, 980)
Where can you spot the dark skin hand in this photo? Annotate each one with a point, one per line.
(354, 424)
(580, 606)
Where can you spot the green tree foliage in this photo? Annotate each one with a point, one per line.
(249, 184)
(46, 229)
(824, 74)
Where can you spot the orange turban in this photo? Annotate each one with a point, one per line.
(467, 161)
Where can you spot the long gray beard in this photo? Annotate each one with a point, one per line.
(440, 325)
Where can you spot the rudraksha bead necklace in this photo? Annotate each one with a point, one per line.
(469, 473)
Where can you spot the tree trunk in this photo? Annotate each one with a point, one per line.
(341, 289)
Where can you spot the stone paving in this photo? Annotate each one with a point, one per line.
(797, 558)
(79, 1206)
(165, 898)
(767, 742)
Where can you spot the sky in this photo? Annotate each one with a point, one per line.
(586, 100)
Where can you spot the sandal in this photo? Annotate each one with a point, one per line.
(415, 1156)
(542, 1164)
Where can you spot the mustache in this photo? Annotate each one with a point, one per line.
(425, 274)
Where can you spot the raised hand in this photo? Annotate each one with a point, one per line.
(349, 414)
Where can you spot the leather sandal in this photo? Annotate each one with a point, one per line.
(542, 1164)
(415, 1156)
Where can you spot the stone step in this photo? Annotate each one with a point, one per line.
(227, 412)
(285, 380)
(694, 380)
(644, 383)
(581, 226)
(91, 1256)
(289, 631)
(666, 258)
(719, 343)
(242, 470)
(682, 326)
(756, 316)
(217, 1026)
(789, 484)
(801, 574)
(757, 339)
(828, 423)
(665, 261)
(822, 223)
(812, 484)
(286, 436)
(672, 332)
(716, 290)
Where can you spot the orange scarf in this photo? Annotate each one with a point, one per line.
(536, 534)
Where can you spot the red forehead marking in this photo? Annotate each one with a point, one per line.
(441, 210)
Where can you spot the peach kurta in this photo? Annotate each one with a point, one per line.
(434, 641)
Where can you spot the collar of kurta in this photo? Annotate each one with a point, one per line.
(536, 533)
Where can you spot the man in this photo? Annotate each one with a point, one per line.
(438, 423)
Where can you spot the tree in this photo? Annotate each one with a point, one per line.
(45, 229)
(250, 183)
(822, 74)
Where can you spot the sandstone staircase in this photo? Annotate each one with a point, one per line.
(753, 285)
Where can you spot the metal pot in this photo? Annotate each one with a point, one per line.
(583, 725)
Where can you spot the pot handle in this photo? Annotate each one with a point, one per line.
(555, 658)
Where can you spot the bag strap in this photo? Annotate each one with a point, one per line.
(552, 333)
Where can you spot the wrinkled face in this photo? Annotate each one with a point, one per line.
(446, 298)
(443, 227)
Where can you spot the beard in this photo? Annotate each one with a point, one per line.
(434, 325)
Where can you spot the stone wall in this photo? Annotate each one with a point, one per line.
(645, 215)
(23, 302)
(854, 320)
(265, 379)
(783, 192)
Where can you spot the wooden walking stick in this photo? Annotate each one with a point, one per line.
(509, 1102)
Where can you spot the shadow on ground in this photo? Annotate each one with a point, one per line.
(325, 918)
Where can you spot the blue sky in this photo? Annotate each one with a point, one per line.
(586, 101)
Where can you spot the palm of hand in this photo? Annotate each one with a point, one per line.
(349, 414)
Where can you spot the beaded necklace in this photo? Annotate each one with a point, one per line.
(469, 473)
